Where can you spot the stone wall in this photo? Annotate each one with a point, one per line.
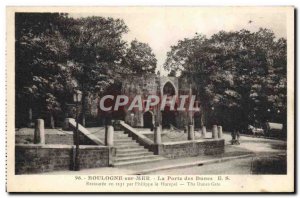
(57, 136)
(66, 139)
(30, 158)
(190, 148)
(59, 139)
(138, 85)
(172, 80)
(176, 149)
(148, 85)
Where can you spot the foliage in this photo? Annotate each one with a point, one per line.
(41, 54)
(140, 58)
(96, 51)
(242, 74)
(56, 53)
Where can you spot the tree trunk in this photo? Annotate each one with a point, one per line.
(83, 120)
(83, 109)
(29, 117)
(52, 124)
(202, 117)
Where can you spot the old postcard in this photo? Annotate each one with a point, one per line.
(150, 99)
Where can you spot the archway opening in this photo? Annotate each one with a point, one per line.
(168, 118)
(169, 89)
(197, 120)
(168, 115)
(148, 120)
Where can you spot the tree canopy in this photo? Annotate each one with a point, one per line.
(56, 53)
(140, 58)
(240, 76)
(41, 62)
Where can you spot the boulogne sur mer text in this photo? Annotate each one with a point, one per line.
(149, 178)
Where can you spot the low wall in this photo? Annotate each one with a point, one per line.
(49, 138)
(190, 148)
(177, 149)
(57, 137)
(85, 135)
(31, 158)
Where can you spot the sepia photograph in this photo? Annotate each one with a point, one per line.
(156, 99)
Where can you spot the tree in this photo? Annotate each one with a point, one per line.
(41, 62)
(240, 74)
(56, 54)
(96, 52)
(140, 58)
(194, 59)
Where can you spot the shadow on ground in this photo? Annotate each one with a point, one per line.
(269, 165)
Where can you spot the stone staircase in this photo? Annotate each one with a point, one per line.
(129, 152)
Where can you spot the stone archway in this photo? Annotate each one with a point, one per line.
(169, 89)
(168, 115)
(148, 119)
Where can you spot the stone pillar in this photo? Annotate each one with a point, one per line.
(220, 132)
(39, 132)
(66, 126)
(215, 132)
(203, 131)
(157, 135)
(191, 135)
(109, 135)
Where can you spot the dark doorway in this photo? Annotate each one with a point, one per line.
(168, 118)
(169, 89)
(148, 120)
(197, 120)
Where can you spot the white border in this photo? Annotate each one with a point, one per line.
(104, 3)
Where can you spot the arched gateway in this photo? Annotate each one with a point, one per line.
(148, 119)
(152, 84)
(168, 115)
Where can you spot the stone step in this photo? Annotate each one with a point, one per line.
(124, 141)
(130, 158)
(116, 137)
(138, 161)
(127, 146)
(119, 140)
(138, 153)
(131, 150)
(123, 138)
(120, 135)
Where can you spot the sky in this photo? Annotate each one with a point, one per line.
(162, 27)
